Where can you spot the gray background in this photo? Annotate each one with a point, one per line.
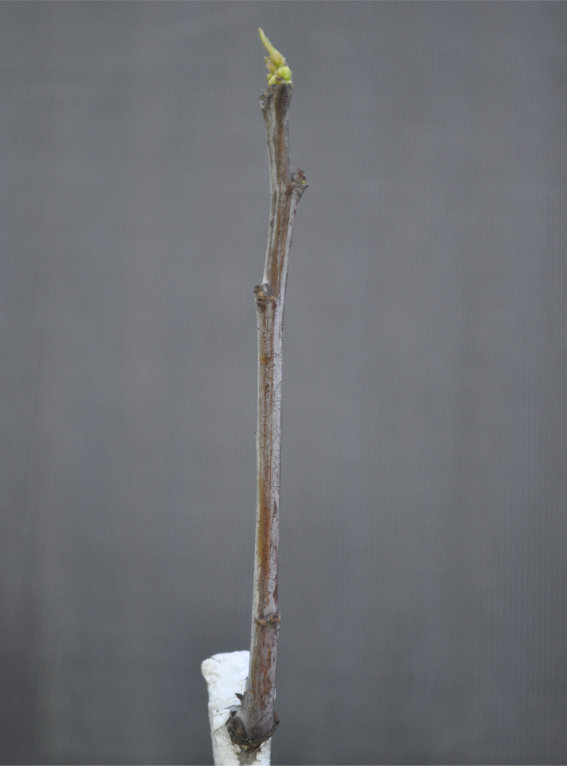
(423, 568)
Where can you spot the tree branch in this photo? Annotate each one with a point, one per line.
(255, 720)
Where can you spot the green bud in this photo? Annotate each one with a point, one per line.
(285, 73)
(278, 70)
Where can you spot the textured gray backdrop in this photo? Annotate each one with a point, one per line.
(423, 567)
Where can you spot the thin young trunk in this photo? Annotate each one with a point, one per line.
(255, 720)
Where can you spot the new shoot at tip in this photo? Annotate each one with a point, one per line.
(278, 70)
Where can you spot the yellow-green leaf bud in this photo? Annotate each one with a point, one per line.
(278, 70)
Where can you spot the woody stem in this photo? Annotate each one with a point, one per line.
(255, 720)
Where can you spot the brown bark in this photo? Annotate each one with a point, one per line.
(255, 720)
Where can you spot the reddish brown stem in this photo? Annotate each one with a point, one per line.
(255, 720)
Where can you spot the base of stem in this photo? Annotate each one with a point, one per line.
(240, 736)
(225, 675)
